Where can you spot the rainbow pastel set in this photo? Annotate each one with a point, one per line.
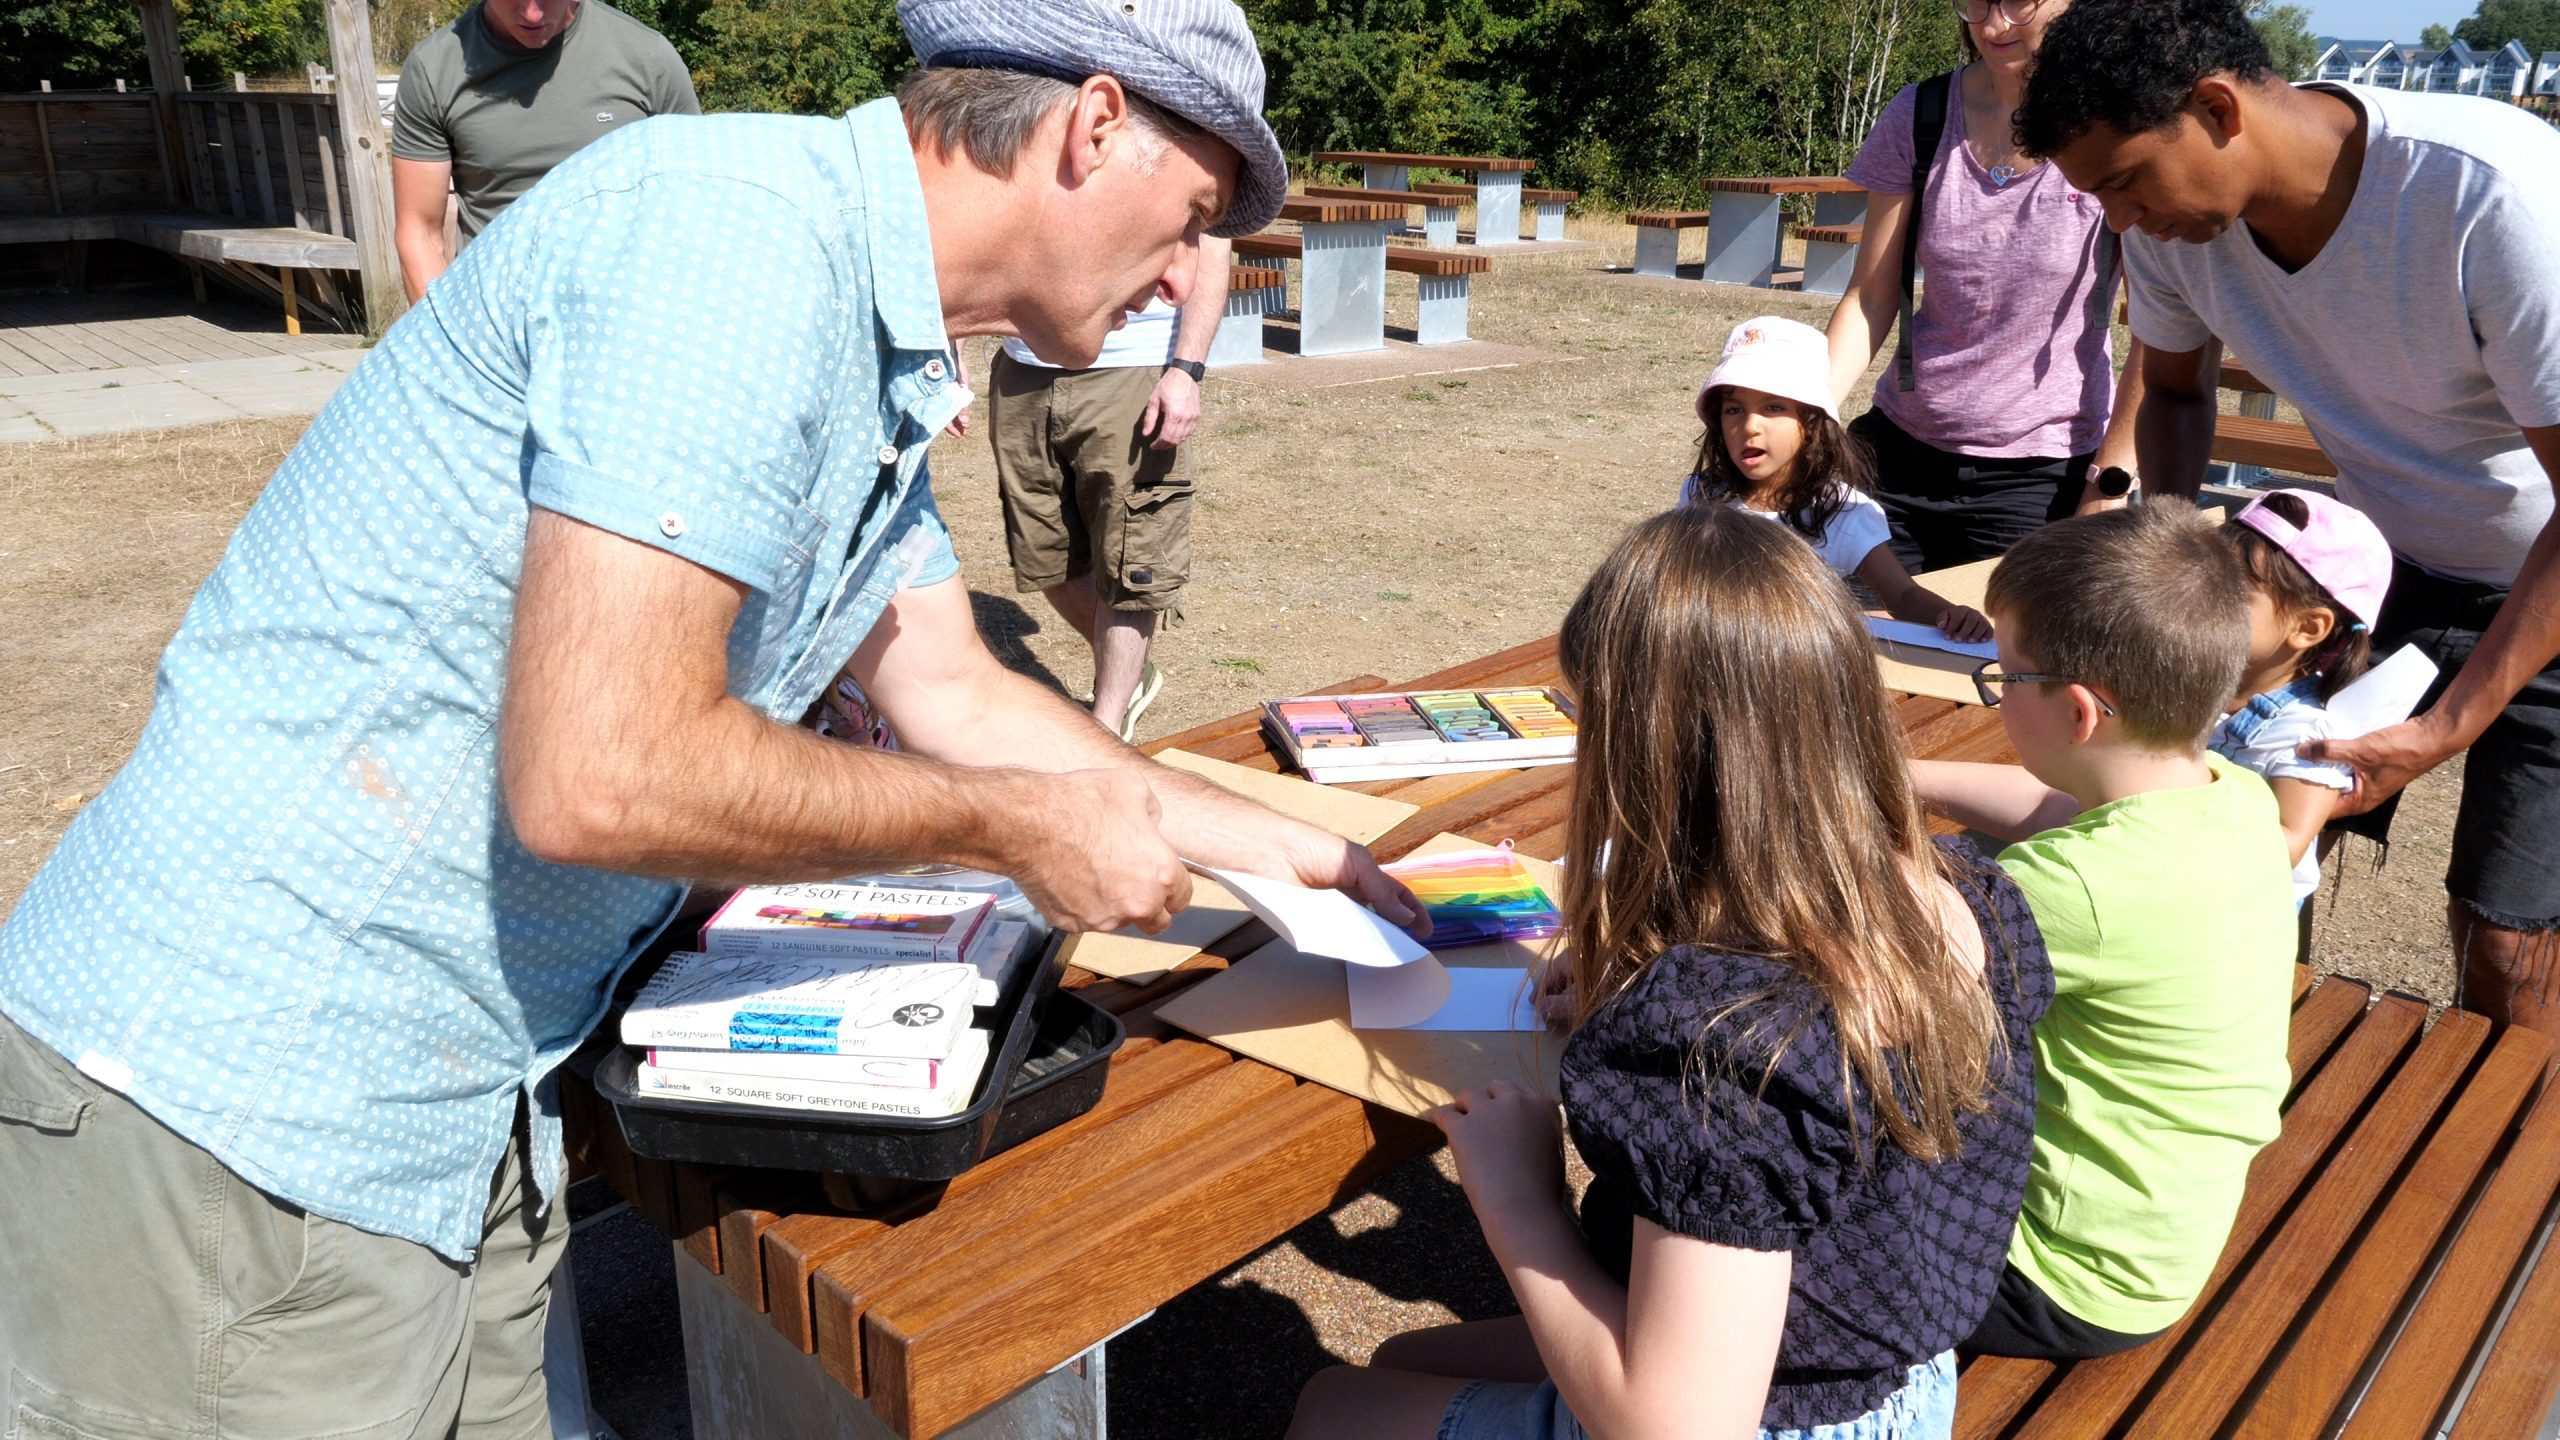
(1427, 732)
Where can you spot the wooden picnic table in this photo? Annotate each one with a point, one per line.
(1744, 231)
(2379, 1240)
(1497, 181)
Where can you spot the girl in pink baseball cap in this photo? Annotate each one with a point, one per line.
(1774, 447)
(2318, 570)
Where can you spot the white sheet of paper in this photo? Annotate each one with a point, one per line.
(1396, 997)
(1473, 998)
(1928, 637)
(2383, 696)
(1320, 922)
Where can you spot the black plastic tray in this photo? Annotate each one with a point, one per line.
(1047, 1069)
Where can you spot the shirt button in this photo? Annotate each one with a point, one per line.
(933, 370)
(671, 525)
(888, 454)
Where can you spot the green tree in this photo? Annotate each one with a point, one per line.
(2535, 22)
(89, 43)
(2287, 31)
(2435, 37)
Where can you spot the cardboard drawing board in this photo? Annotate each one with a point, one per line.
(1293, 1011)
(1214, 913)
(1936, 673)
(1346, 813)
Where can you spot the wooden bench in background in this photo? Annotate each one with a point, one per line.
(1443, 274)
(1830, 256)
(1551, 205)
(2254, 441)
(1497, 183)
(1253, 293)
(254, 188)
(1658, 239)
(1743, 243)
(1439, 212)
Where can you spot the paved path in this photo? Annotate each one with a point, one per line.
(154, 397)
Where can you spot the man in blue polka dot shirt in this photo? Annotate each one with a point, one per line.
(513, 642)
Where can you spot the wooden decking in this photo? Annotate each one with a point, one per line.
(72, 334)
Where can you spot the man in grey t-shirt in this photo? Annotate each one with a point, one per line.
(490, 103)
(2391, 264)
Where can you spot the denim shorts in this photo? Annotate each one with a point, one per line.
(1923, 1409)
(2508, 825)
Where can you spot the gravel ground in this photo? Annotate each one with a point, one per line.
(1388, 527)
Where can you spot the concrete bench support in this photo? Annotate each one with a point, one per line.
(1828, 266)
(1275, 299)
(1239, 337)
(1550, 220)
(1497, 207)
(1342, 292)
(1392, 177)
(1443, 319)
(1439, 225)
(1742, 239)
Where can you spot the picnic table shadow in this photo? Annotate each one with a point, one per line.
(1228, 1356)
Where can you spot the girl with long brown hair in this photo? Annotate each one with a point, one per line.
(1799, 1066)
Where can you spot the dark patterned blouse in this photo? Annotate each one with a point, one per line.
(1895, 1259)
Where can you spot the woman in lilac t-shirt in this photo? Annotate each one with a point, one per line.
(2014, 404)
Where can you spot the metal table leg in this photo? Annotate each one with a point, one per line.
(1342, 302)
(1497, 207)
(1742, 238)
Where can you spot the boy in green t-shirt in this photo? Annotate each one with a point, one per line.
(2160, 878)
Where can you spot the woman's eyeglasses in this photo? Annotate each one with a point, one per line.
(1978, 12)
(1988, 683)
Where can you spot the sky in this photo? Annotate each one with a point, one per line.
(2384, 19)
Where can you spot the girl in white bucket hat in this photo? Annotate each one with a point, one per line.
(1774, 446)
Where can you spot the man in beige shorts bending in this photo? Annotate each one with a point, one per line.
(1097, 494)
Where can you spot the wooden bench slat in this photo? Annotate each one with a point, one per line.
(2250, 1318)
(1254, 277)
(936, 1351)
(2433, 1350)
(2247, 440)
(1783, 184)
(1431, 162)
(798, 1247)
(2237, 376)
(1527, 196)
(2514, 1392)
(1833, 234)
(697, 1196)
(1667, 219)
(749, 1205)
(1305, 209)
(976, 1236)
(2089, 1397)
(1510, 788)
(2331, 1347)
(1432, 199)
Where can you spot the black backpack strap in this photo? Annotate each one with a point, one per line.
(1928, 126)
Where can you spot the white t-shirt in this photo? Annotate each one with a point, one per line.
(1147, 340)
(1856, 528)
(2419, 339)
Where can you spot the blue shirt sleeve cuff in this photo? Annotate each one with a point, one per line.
(747, 552)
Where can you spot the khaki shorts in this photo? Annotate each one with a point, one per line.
(1084, 494)
(147, 1293)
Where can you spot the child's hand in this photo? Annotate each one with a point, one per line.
(1505, 1142)
(1964, 623)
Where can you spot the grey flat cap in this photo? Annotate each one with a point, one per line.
(1195, 58)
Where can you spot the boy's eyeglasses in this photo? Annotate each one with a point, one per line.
(1987, 683)
(1978, 12)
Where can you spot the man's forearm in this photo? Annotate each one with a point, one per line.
(1197, 326)
(421, 259)
(2117, 446)
(2173, 440)
(2522, 640)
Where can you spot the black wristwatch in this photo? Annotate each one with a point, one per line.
(2115, 482)
(1192, 368)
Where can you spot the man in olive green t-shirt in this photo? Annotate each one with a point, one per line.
(489, 104)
